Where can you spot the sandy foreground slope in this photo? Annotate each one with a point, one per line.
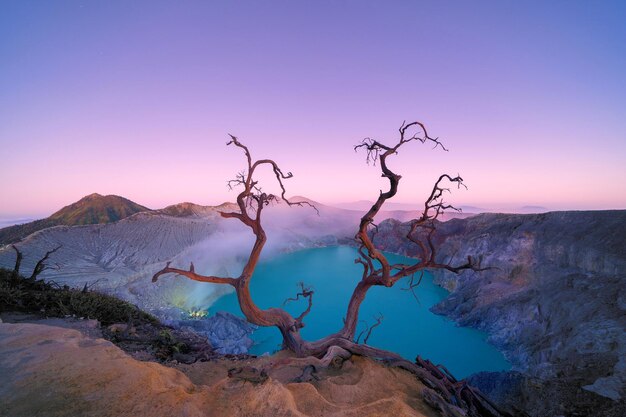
(53, 371)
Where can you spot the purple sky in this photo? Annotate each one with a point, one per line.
(136, 99)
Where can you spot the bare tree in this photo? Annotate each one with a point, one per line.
(377, 270)
(42, 264)
(18, 261)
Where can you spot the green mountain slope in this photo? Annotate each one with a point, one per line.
(96, 208)
(92, 209)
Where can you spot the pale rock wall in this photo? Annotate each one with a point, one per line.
(555, 302)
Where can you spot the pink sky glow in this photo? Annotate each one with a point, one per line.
(136, 99)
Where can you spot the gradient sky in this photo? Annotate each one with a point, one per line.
(136, 99)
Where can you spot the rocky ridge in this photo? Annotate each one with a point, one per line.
(554, 303)
(119, 258)
(91, 209)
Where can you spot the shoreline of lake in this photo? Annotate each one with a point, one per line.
(408, 328)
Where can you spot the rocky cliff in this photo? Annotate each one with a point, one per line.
(554, 303)
(52, 371)
(120, 257)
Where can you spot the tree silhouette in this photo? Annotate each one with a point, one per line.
(377, 270)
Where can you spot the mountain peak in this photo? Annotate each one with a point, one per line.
(185, 209)
(91, 209)
(96, 208)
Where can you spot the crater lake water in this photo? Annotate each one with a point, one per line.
(408, 327)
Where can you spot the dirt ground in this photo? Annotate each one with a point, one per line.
(51, 371)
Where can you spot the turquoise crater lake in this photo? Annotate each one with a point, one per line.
(408, 328)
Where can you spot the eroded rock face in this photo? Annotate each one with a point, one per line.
(55, 372)
(121, 257)
(555, 303)
(49, 371)
(227, 333)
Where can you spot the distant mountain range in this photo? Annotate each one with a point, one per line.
(123, 250)
(103, 209)
(465, 209)
(92, 209)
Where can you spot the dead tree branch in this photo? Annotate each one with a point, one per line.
(251, 202)
(18, 261)
(377, 270)
(191, 274)
(412, 285)
(368, 329)
(304, 293)
(42, 264)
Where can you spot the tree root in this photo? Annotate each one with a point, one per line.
(334, 357)
(248, 374)
(457, 393)
(309, 373)
(445, 393)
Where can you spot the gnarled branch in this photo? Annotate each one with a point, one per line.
(383, 273)
(42, 264)
(191, 274)
(368, 329)
(377, 270)
(251, 201)
(304, 293)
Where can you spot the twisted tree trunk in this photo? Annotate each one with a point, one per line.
(377, 271)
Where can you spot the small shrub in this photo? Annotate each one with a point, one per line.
(30, 296)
